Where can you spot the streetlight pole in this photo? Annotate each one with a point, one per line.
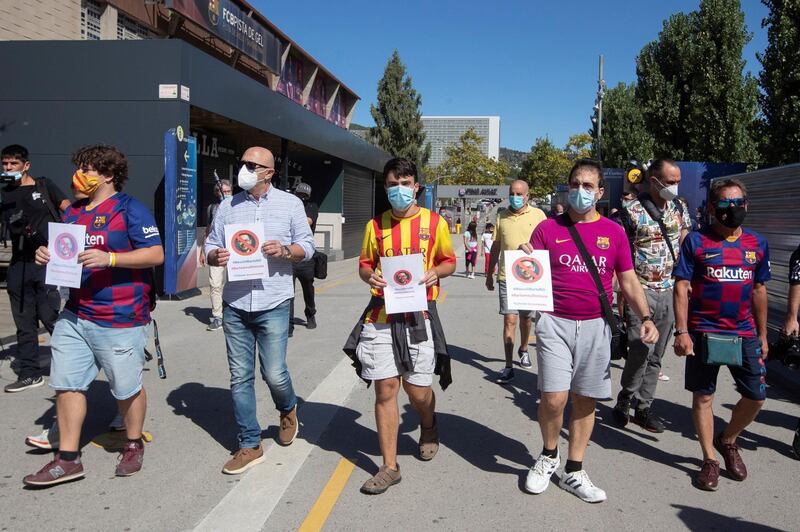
(598, 105)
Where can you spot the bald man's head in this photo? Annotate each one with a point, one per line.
(260, 156)
(519, 187)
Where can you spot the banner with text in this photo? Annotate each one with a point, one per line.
(180, 212)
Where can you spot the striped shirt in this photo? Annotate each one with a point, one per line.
(284, 220)
(386, 236)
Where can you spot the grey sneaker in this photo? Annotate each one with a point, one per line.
(215, 324)
(24, 384)
(524, 359)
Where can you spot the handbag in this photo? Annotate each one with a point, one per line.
(617, 333)
(722, 349)
(320, 265)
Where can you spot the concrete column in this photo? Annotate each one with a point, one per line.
(108, 23)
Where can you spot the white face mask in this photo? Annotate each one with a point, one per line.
(246, 178)
(667, 193)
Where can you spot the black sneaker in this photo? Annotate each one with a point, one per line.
(506, 376)
(24, 384)
(648, 421)
(215, 324)
(621, 412)
(311, 323)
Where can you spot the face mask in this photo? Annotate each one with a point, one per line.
(732, 217)
(581, 200)
(667, 193)
(226, 195)
(16, 175)
(85, 184)
(400, 197)
(516, 202)
(246, 178)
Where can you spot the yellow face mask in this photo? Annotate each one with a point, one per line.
(85, 184)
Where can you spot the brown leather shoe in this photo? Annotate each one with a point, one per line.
(289, 427)
(708, 477)
(243, 460)
(381, 482)
(428, 441)
(733, 460)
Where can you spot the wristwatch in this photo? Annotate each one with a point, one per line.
(287, 253)
(679, 332)
(646, 318)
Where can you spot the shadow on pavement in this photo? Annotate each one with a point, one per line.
(701, 519)
(201, 314)
(209, 408)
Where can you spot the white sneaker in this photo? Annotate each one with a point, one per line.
(578, 483)
(662, 377)
(539, 475)
(524, 359)
(47, 439)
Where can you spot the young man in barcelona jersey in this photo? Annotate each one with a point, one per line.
(720, 296)
(573, 346)
(104, 323)
(402, 348)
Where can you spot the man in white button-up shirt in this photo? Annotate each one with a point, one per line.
(256, 312)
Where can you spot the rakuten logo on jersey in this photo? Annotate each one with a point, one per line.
(575, 264)
(95, 240)
(150, 231)
(729, 275)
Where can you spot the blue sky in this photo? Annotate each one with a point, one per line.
(533, 63)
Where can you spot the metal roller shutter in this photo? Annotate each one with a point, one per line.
(357, 207)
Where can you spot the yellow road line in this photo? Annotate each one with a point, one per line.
(319, 513)
(442, 297)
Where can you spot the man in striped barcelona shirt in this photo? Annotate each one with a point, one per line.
(385, 347)
(256, 312)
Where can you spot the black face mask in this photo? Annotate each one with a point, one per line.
(732, 217)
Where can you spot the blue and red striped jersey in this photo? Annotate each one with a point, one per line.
(722, 273)
(114, 297)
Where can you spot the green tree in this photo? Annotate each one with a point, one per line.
(697, 103)
(466, 164)
(625, 136)
(545, 167)
(398, 123)
(780, 83)
(579, 146)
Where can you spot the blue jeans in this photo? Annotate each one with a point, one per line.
(269, 329)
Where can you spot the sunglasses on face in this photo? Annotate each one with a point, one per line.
(252, 167)
(733, 202)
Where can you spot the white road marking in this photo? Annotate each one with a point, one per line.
(249, 504)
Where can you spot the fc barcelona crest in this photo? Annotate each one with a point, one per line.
(603, 242)
(424, 233)
(99, 221)
(213, 12)
(750, 257)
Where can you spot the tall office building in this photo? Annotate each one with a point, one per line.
(444, 131)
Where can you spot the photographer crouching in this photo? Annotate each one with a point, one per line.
(27, 205)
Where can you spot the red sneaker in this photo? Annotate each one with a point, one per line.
(55, 472)
(131, 458)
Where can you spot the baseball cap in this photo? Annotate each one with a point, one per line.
(303, 188)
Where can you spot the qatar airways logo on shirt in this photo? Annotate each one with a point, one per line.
(576, 264)
(729, 275)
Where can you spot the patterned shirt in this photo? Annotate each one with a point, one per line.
(723, 273)
(386, 236)
(794, 267)
(284, 220)
(652, 260)
(114, 297)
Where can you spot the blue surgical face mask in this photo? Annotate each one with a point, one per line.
(16, 175)
(400, 197)
(516, 202)
(581, 200)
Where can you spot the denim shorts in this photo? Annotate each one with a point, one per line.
(81, 349)
(750, 377)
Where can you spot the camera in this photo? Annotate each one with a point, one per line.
(786, 350)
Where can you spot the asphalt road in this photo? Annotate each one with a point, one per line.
(488, 432)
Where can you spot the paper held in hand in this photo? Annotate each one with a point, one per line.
(404, 293)
(528, 282)
(246, 260)
(66, 242)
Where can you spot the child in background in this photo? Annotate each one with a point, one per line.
(486, 242)
(471, 249)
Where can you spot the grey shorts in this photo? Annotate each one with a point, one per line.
(504, 310)
(377, 358)
(574, 355)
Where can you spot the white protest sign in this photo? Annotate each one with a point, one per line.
(404, 293)
(65, 243)
(528, 282)
(246, 261)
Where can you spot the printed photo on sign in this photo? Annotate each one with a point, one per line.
(405, 291)
(246, 261)
(528, 282)
(67, 241)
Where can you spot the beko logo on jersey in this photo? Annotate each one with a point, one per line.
(725, 274)
(95, 240)
(150, 231)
